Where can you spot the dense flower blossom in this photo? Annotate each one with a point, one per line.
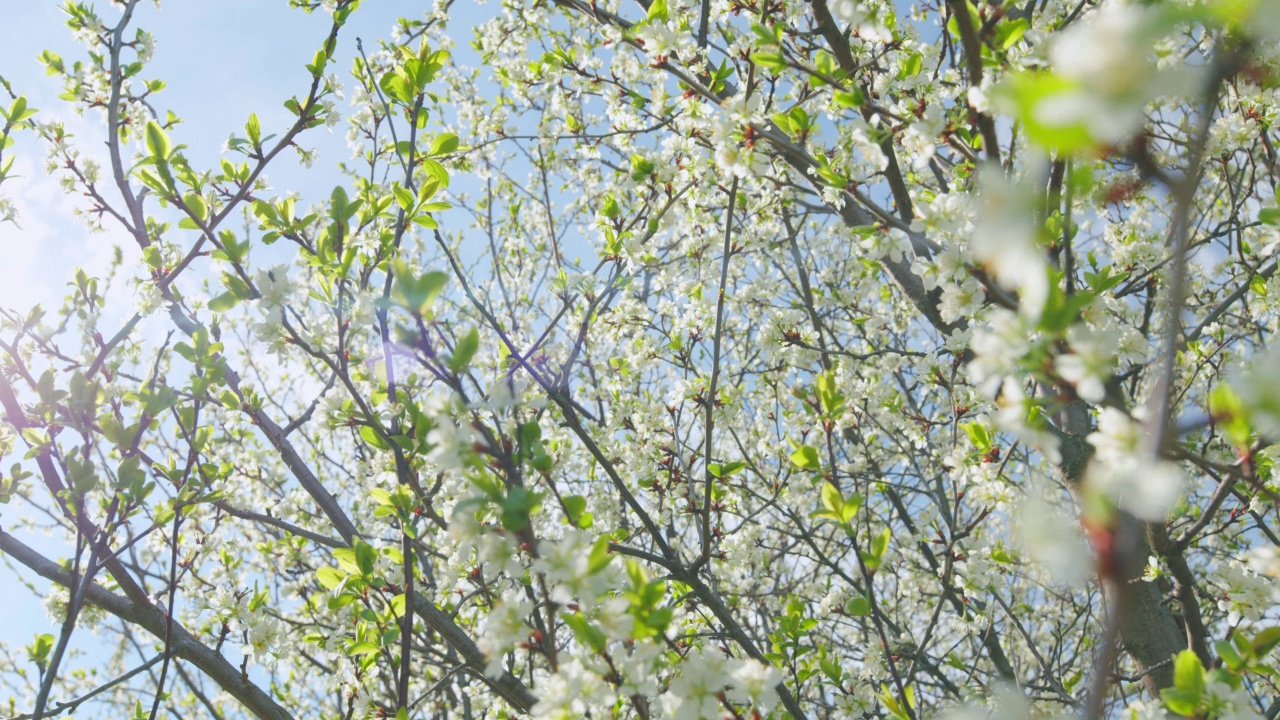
(787, 359)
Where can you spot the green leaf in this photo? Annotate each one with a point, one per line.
(404, 198)
(157, 142)
(417, 293)
(891, 704)
(1010, 32)
(395, 85)
(1182, 702)
(195, 203)
(874, 557)
(1229, 413)
(574, 505)
(858, 607)
(253, 129)
(852, 504)
(1104, 279)
(831, 498)
(771, 61)
(1188, 673)
(1258, 285)
(373, 437)
(346, 559)
(330, 577)
(341, 208)
(979, 435)
(912, 66)
(223, 302)
(444, 144)
(236, 286)
(1242, 644)
(600, 556)
(783, 121)
(362, 648)
(398, 605)
(585, 632)
(766, 36)
(316, 66)
(39, 650)
(517, 506)
(366, 556)
(1228, 653)
(1060, 309)
(464, 351)
(610, 207)
(641, 168)
(829, 396)
(163, 515)
(1266, 640)
(806, 458)
(437, 177)
(852, 98)
(657, 11)
(15, 109)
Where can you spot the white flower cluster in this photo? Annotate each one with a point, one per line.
(1053, 540)
(505, 627)
(705, 674)
(1245, 593)
(1004, 240)
(259, 633)
(1120, 469)
(862, 18)
(57, 597)
(566, 564)
(8, 211)
(1109, 57)
(451, 438)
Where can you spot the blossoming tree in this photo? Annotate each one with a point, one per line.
(680, 359)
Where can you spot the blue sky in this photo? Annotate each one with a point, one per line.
(222, 61)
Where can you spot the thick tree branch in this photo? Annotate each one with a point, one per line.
(152, 619)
